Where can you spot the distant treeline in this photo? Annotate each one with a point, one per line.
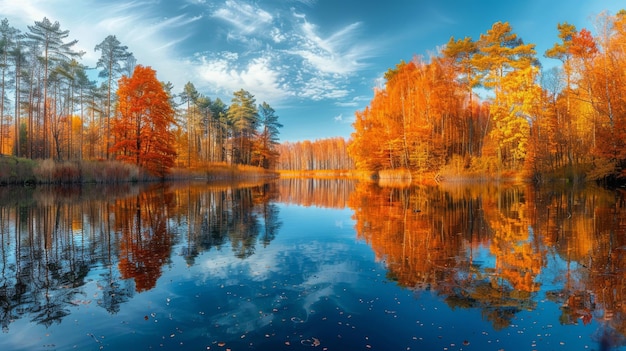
(323, 154)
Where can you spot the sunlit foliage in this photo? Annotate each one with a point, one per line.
(142, 128)
(484, 107)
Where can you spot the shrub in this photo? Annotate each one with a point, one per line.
(44, 171)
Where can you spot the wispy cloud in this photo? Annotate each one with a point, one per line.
(225, 73)
(25, 12)
(281, 55)
(244, 17)
(321, 88)
(356, 101)
(303, 63)
(339, 53)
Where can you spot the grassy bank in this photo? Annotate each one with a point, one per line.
(216, 171)
(14, 170)
(22, 171)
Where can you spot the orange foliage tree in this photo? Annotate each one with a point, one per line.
(569, 121)
(506, 66)
(417, 122)
(142, 127)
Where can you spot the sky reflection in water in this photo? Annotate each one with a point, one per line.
(327, 277)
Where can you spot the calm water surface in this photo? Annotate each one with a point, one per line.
(301, 264)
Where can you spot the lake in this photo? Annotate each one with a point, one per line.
(322, 264)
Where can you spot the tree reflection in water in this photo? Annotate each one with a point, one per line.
(493, 248)
(52, 238)
(497, 249)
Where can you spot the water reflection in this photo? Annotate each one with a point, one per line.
(327, 193)
(274, 264)
(500, 249)
(53, 237)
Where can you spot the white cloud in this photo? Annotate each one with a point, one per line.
(284, 56)
(24, 12)
(277, 35)
(225, 74)
(320, 88)
(244, 17)
(340, 53)
(356, 101)
(339, 117)
(310, 3)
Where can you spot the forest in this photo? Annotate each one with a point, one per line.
(50, 108)
(484, 107)
(319, 155)
(475, 108)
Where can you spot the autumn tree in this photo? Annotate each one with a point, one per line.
(508, 67)
(8, 41)
(564, 130)
(414, 122)
(142, 127)
(608, 81)
(461, 52)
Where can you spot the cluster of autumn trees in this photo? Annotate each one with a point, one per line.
(428, 116)
(50, 108)
(322, 154)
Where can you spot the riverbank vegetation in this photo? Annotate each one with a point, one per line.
(77, 128)
(23, 171)
(479, 109)
(484, 109)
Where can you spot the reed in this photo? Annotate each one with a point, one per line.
(26, 171)
(74, 172)
(223, 171)
(111, 172)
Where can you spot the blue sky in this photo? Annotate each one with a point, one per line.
(315, 61)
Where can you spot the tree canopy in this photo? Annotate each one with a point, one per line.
(142, 127)
(51, 108)
(484, 107)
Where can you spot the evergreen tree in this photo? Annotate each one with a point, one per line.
(112, 59)
(243, 115)
(265, 153)
(50, 40)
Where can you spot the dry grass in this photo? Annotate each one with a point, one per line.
(25, 171)
(111, 172)
(224, 171)
(73, 172)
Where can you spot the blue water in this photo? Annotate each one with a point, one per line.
(315, 285)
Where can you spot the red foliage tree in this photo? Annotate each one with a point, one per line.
(142, 127)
